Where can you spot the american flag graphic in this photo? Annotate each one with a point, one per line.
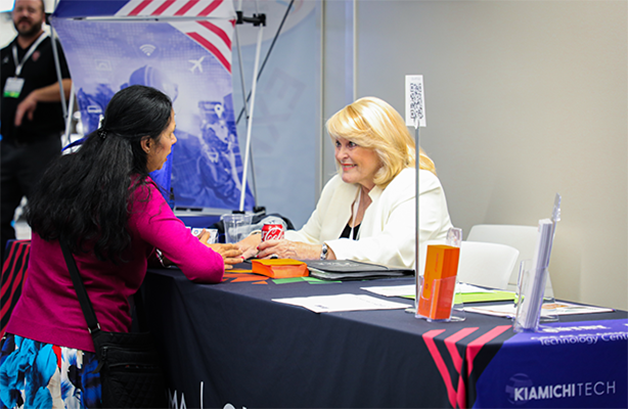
(213, 32)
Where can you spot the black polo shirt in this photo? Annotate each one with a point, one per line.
(38, 71)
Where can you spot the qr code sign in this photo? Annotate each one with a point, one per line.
(415, 101)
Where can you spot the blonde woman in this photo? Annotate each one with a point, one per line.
(367, 211)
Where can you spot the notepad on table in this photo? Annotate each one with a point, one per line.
(280, 268)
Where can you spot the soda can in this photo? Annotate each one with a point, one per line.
(272, 232)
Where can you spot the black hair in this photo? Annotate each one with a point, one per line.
(84, 197)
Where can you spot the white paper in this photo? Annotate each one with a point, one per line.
(393, 290)
(342, 302)
(548, 310)
(465, 288)
(408, 290)
(415, 101)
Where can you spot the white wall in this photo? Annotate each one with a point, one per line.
(284, 137)
(7, 31)
(523, 99)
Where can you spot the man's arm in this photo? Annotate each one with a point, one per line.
(51, 93)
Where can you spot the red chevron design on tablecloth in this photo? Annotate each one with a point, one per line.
(214, 35)
(457, 396)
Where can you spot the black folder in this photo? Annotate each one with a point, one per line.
(353, 270)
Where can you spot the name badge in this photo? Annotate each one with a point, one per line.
(13, 87)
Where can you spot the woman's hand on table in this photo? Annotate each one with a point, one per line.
(291, 249)
(230, 253)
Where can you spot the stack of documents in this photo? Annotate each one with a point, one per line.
(353, 270)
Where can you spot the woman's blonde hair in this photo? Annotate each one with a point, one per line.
(372, 123)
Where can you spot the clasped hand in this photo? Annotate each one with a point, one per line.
(288, 249)
(253, 247)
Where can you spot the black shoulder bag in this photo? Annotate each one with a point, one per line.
(129, 363)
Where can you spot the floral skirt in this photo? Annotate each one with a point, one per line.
(34, 374)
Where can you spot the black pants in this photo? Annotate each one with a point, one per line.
(22, 165)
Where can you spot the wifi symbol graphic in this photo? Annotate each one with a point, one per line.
(147, 49)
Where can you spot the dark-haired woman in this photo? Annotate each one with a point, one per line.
(102, 203)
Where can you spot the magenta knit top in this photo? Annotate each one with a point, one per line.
(48, 309)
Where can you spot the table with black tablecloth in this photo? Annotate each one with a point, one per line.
(230, 343)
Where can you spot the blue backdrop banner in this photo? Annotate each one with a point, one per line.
(182, 48)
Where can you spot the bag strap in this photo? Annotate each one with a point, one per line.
(86, 305)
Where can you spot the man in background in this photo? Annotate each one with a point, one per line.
(32, 116)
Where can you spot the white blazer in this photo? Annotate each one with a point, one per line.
(387, 232)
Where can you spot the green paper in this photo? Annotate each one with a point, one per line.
(287, 280)
(468, 298)
(313, 280)
(485, 297)
(310, 280)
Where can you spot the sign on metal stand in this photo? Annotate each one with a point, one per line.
(415, 116)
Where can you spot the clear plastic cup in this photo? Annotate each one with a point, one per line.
(237, 226)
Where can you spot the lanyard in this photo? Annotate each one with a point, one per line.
(31, 50)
